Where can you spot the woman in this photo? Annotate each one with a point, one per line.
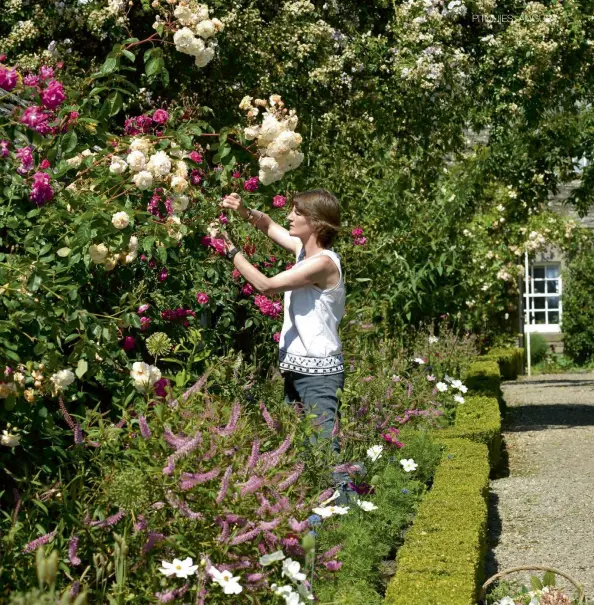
(310, 350)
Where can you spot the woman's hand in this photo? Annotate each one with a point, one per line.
(234, 202)
(229, 245)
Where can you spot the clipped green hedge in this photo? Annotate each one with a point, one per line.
(479, 420)
(441, 561)
(484, 377)
(510, 360)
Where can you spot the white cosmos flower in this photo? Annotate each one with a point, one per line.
(433, 339)
(458, 399)
(62, 379)
(328, 511)
(448, 378)
(120, 220)
(419, 360)
(408, 464)
(506, 601)
(463, 389)
(442, 387)
(226, 580)
(181, 569)
(136, 161)
(143, 180)
(291, 570)
(273, 557)
(375, 452)
(366, 506)
(333, 497)
(456, 383)
(118, 165)
(9, 439)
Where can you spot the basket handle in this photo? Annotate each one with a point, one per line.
(499, 575)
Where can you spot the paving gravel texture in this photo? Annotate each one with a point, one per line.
(542, 512)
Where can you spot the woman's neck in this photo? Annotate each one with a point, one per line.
(311, 246)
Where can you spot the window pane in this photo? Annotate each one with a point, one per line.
(538, 303)
(552, 286)
(540, 317)
(553, 302)
(552, 271)
(539, 272)
(538, 287)
(553, 317)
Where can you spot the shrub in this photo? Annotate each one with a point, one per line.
(442, 558)
(578, 311)
(510, 360)
(484, 378)
(538, 347)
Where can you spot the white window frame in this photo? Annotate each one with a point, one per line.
(530, 295)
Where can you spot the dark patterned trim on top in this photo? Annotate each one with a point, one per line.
(311, 365)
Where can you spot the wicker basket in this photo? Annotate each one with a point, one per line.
(506, 572)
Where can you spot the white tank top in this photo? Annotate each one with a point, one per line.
(309, 342)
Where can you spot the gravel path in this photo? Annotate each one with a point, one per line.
(542, 512)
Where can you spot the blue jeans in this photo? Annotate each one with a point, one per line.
(317, 394)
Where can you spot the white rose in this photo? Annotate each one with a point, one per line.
(141, 144)
(131, 257)
(201, 13)
(144, 376)
(289, 138)
(183, 14)
(246, 103)
(133, 245)
(277, 148)
(206, 29)
(62, 379)
(292, 121)
(110, 263)
(269, 130)
(268, 165)
(205, 57)
(9, 439)
(183, 39)
(196, 48)
(266, 178)
(120, 220)
(143, 180)
(251, 132)
(75, 162)
(181, 169)
(180, 203)
(136, 161)
(159, 164)
(118, 165)
(219, 25)
(290, 160)
(179, 184)
(98, 253)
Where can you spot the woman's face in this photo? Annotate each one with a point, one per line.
(299, 225)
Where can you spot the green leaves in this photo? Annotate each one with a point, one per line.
(81, 368)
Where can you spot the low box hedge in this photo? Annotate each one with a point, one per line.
(511, 361)
(442, 558)
(484, 377)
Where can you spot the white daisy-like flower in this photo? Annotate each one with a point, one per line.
(181, 569)
(419, 360)
(375, 452)
(226, 580)
(433, 339)
(459, 399)
(456, 383)
(273, 557)
(442, 387)
(408, 464)
(328, 511)
(291, 570)
(366, 506)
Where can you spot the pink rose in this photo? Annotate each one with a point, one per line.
(358, 232)
(276, 337)
(196, 157)
(46, 72)
(247, 290)
(129, 343)
(278, 201)
(202, 298)
(8, 78)
(53, 96)
(143, 308)
(45, 164)
(160, 116)
(251, 184)
(360, 241)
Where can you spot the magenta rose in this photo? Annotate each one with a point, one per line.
(202, 298)
(251, 184)
(161, 387)
(278, 201)
(160, 116)
(46, 72)
(8, 78)
(53, 96)
(129, 343)
(358, 232)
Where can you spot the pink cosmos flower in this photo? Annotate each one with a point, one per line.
(276, 337)
(196, 157)
(8, 78)
(358, 232)
(333, 565)
(390, 437)
(129, 343)
(278, 201)
(53, 96)
(160, 116)
(202, 298)
(251, 184)
(46, 72)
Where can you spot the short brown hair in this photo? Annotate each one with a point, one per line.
(323, 210)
